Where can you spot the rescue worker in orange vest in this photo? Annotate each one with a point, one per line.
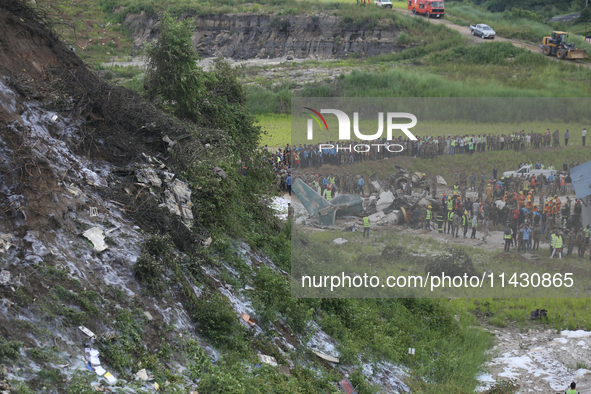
(528, 202)
(533, 183)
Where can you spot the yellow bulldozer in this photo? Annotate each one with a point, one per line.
(557, 46)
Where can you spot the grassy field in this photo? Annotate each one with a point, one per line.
(395, 4)
(563, 314)
(511, 306)
(277, 129)
(85, 26)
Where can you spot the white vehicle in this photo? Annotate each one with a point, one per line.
(483, 31)
(528, 170)
(383, 3)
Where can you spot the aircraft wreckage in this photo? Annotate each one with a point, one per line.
(388, 206)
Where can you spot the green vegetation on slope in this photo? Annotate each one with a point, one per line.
(490, 70)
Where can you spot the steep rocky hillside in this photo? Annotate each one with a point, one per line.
(108, 280)
(247, 36)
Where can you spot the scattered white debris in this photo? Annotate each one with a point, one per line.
(5, 242)
(376, 217)
(268, 360)
(321, 342)
(96, 236)
(4, 277)
(540, 361)
(148, 175)
(385, 200)
(486, 382)
(94, 179)
(325, 357)
(339, 241)
(86, 331)
(148, 315)
(92, 356)
(576, 334)
(110, 378)
(170, 142)
(142, 374)
(100, 371)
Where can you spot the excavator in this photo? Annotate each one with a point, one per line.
(557, 46)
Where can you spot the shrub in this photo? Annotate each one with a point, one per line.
(9, 349)
(217, 320)
(80, 383)
(148, 269)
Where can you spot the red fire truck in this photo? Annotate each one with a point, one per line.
(427, 7)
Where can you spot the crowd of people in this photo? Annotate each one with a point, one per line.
(311, 156)
(528, 208)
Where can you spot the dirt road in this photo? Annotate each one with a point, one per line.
(476, 40)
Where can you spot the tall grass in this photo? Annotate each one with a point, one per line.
(563, 314)
(492, 70)
(345, 8)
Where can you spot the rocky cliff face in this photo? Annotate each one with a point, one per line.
(247, 36)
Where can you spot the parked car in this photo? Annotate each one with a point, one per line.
(528, 170)
(483, 31)
(383, 3)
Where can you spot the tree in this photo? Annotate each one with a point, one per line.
(173, 80)
(585, 15)
(214, 99)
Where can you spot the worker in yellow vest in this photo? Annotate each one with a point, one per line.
(428, 217)
(573, 389)
(328, 193)
(450, 225)
(507, 236)
(557, 245)
(366, 226)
